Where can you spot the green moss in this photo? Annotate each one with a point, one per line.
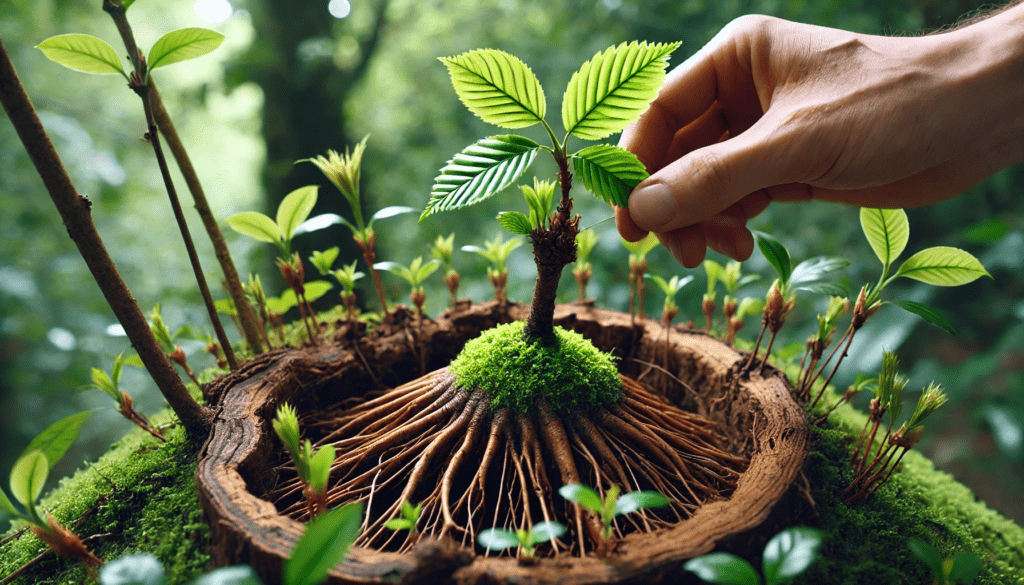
(571, 374)
(140, 496)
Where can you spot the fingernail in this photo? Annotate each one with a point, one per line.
(652, 206)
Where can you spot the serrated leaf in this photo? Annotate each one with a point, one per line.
(28, 476)
(294, 209)
(255, 225)
(479, 171)
(497, 87)
(609, 172)
(887, 230)
(776, 254)
(515, 222)
(325, 543)
(497, 539)
(237, 575)
(633, 501)
(140, 569)
(546, 531)
(789, 553)
(724, 569)
(582, 495)
(927, 313)
(182, 45)
(58, 437)
(614, 88)
(943, 266)
(84, 53)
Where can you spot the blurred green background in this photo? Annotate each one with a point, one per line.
(296, 78)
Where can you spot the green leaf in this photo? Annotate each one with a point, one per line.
(84, 53)
(823, 287)
(28, 476)
(927, 313)
(811, 271)
(789, 553)
(497, 539)
(614, 88)
(724, 569)
(927, 553)
(545, 531)
(634, 501)
(943, 266)
(325, 543)
(609, 172)
(497, 87)
(390, 211)
(887, 230)
(182, 45)
(101, 380)
(410, 512)
(320, 467)
(140, 569)
(324, 260)
(294, 209)
(237, 575)
(582, 495)
(398, 524)
(479, 171)
(515, 222)
(776, 254)
(642, 248)
(55, 440)
(256, 225)
(317, 289)
(7, 505)
(965, 569)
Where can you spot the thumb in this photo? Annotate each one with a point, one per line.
(702, 184)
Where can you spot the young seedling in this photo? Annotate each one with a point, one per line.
(583, 270)
(613, 503)
(713, 270)
(442, 251)
(28, 476)
(500, 539)
(964, 567)
(733, 279)
(410, 516)
(312, 467)
(820, 341)
(111, 385)
(671, 288)
(414, 274)
(496, 252)
(347, 277)
(637, 266)
(324, 260)
(786, 555)
(167, 341)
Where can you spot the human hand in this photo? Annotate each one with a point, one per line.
(772, 110)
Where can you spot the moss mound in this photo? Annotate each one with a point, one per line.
(571, 374)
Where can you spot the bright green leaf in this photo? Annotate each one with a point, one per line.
(497, 539)
(182, 45)
(101, 380)
(545, 531)
(614, 88)
(479, 171)
(633, 501)
(237, 575)
(887, 230)
(225, 307)
(642, 248)
(324, 260)
(789, 553)
(965, 569)
(55, 440)
(325, 543)
(256, 225)
(812, 270)
(497, 87)
(7, 505)
(320, 467)
(139, 569)
(410, 512)
(398, 524)
(943, 266)
(317, 289)
(80, 52)
(609, 172)
(724, 569)
(582, 495)
(294, 209)
(28, 476)
(776, 254)
(515, 222)
(927, 313)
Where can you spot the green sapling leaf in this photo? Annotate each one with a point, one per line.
(497, 87)
(641, 249)
(398, 524)
(410, 512)
(101, 380)
(294, 209)
(320, 467)
(633, 501)
(84, 53)
(724, 569)
(58, 437)
(614, 88)
(316, 289)
(515, 222)
(789, 553)
(582, 495)
(965, 568)
(323, 261)
(139, 569)
(28, 476)
(609, 172)
(480, 171)
(777, 255)
(545, 531)
(497, 539)
(927, 313)
(257, 226)
(539, 199)
(7, 505)
(325, 543)
(943, 266)
(809, 274)
(887, 230)
(182, 45)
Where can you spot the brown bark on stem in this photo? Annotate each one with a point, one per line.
(74, 210)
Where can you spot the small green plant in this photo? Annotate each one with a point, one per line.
(613, 504)
(111, 385)
(414, 274)
(713, 271)
(347, 277)
(410, 516)
(501, 539)
(586, 240)
(786, 555)
(312, 467)
(442, 251)
(963, 567)
(496, 252)
(637, 267)
(671, 288)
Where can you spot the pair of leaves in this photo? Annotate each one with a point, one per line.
(809, 275)
(963, 567)
(500, 538)
(613, 504)
(410, 515)
(786, 555)
(288, 299)
(414, 274)
(89, 54)
(291, 213)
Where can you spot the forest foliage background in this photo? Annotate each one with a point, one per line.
(294, 79)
